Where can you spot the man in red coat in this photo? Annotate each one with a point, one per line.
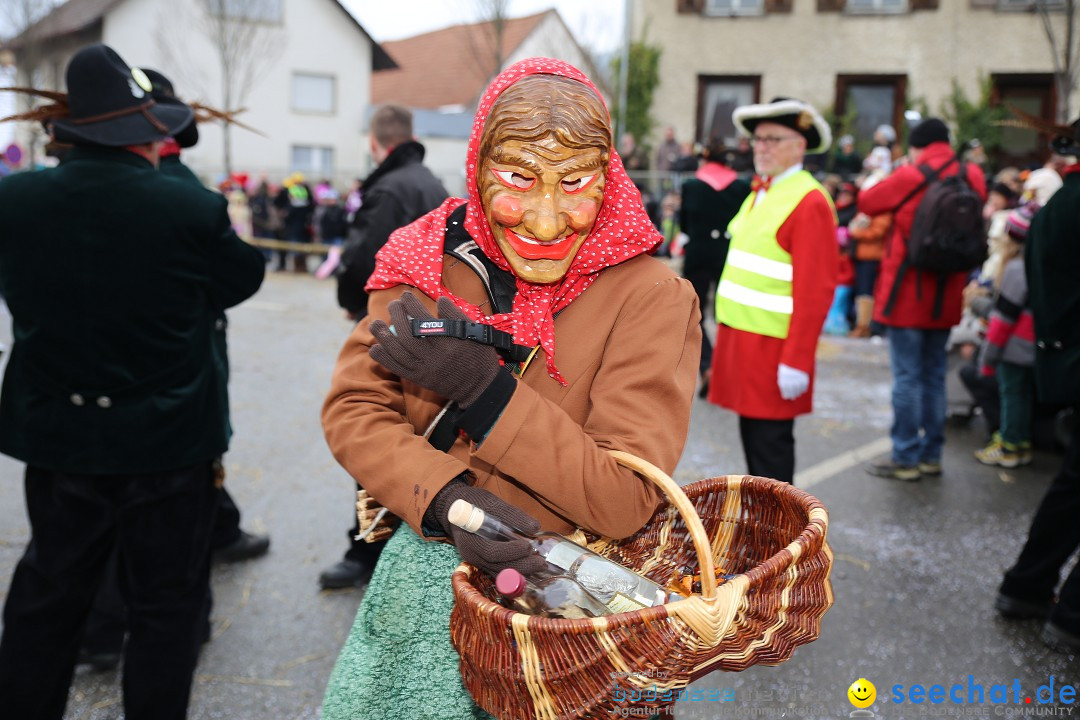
(776, 286)
(918, 313)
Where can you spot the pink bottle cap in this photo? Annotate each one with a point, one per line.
(510, 583)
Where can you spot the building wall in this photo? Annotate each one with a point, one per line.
(445, 157)
(314, 37)
(799, 54)
(552, 39)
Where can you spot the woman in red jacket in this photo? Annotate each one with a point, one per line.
(917, 313)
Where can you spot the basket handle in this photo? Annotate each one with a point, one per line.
(682, 503)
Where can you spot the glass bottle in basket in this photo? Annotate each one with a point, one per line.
(551, 596)
(619, 588)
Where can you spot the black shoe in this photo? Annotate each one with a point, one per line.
(245, 547)
(346, 573)
(1016, 609)
(1061, 640)
(99, 661)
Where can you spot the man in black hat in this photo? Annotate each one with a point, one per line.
(776, 287)
(110, 396)
(103, 635)
(1052, 261)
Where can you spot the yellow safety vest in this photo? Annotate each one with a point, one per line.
(754, 293)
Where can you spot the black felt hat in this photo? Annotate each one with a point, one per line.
(165, 94)
(112, 104)
(795, 114)
(1067, 143)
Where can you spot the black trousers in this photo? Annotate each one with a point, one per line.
(704, 281)
(1053, 538)
(769, 446)
(159, 525)
(107, 623)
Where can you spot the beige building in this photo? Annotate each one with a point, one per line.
(305, 75)
(876, 55)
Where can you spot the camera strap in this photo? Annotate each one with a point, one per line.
(477, 332)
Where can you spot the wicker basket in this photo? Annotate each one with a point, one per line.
(768, 534)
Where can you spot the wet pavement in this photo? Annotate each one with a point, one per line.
(916, 564)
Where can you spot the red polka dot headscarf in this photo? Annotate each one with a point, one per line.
(622, 230)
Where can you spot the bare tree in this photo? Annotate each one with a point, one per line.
(21, 18)
(487, 41)
(246, 37)
(1063, 50)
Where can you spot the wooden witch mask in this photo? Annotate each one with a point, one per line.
(543, 165)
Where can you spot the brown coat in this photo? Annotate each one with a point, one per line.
(628, 347)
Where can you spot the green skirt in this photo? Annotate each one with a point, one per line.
(398, 661)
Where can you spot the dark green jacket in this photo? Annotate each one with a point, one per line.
(174, 168)
(114, 274)
(1052, 260)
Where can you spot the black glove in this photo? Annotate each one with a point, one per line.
(491, 556)
(455, 368)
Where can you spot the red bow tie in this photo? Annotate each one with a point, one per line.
(760, 183)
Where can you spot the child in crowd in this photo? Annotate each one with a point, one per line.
(1009, 350)
(333, 226)
(837, 322)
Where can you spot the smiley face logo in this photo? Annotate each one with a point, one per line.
(862, 693)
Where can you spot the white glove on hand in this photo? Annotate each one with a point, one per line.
(792, 382)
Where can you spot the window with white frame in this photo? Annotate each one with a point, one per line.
(734, 7)
(312, 160)
(877, 6)
(256, 10)
(313, 93)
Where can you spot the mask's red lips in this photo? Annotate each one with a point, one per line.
(532, 249)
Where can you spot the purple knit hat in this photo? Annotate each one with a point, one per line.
(1019, 220)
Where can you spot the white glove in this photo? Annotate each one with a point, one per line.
(792, 382)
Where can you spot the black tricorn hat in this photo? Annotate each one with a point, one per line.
(795, 114)
(163, 93)
(111, 103)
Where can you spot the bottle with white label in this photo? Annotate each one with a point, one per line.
(554, 596)
(617, 587)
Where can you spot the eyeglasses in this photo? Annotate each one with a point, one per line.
(770, 140)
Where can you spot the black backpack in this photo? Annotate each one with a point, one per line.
(947, 234)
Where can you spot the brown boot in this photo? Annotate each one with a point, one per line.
(864, 314)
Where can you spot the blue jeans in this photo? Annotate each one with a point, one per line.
(918, 394)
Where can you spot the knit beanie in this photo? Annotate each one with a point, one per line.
(930, 130)
(1019, 221)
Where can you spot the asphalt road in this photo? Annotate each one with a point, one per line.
(916, 564)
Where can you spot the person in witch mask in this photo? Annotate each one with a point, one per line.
(599, 348)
